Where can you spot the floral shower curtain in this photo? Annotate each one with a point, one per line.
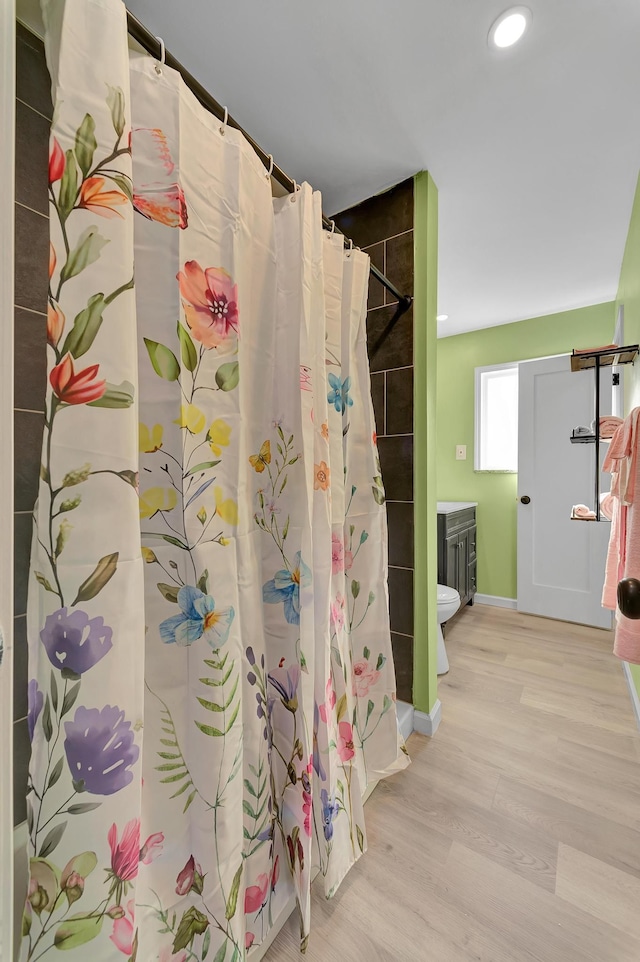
(212, 686)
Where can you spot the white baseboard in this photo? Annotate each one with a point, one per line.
(633, 691)
(428, 724)
(496, 601)
(406, 714)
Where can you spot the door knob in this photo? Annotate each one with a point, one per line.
(525, 499)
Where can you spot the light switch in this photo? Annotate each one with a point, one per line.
(461, 452)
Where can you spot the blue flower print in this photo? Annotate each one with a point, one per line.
(198, 618)
(339, 395)
(285, 586)
(330, 809)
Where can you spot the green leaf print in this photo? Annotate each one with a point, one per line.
(77, 930)
(164, 361)
(86, 143)
(102, 573)
(188, 352)
(86, 252)
(228, 376)
(232, 901)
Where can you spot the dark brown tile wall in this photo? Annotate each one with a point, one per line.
(33, 119)
(383, 227)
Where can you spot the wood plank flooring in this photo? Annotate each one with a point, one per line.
(515, 834)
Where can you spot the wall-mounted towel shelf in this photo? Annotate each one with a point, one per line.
(594, 361)
(612, 357)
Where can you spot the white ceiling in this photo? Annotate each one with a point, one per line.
(535, 150)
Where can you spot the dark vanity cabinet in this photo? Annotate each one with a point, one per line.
(457, 552)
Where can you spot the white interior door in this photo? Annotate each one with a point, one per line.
(561, 562)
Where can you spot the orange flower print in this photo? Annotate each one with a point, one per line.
(52, 260)
(55, 323)
(161, 198)
(321, 476)
(210, 302)
(73, 387)
(324, 430)
(99, 201)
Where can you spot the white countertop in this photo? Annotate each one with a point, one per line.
(448, 507)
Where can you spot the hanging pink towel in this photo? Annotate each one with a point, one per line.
(623, 556)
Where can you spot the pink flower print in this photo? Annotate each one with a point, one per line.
(123, 933)
(190, 878)
(348, 559)
(151, 848)
(346, 750)
(306, 811)
(255, 895)
(125, 854)
(330, 702)
(275, 873)
(249, 939)
(337, 612)
(305, 378)
(364, 677)
(210, 302)
(337, 554)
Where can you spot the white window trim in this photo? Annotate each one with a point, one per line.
(479, 371)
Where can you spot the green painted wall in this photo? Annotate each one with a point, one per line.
(457, 357)
(425, 688)
(629, 295)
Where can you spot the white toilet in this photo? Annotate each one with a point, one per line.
(448, 604)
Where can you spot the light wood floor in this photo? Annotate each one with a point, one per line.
(515, 834)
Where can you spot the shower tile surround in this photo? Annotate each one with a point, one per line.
(383, 227)
(33, 119)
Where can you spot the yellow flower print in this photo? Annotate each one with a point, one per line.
(218, 436)
(148, 555)
(223, 541)
(226, 509)
(150, 440)
(157, 499)
(191, 418)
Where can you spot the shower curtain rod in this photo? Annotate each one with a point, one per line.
(153, 46)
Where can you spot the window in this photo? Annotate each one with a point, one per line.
(496, 442)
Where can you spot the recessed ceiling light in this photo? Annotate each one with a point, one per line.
(509, 27)
(442, 317)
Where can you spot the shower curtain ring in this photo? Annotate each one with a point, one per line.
(350, 251)
(224, 122)
(270, 171)
(333, 227)
(163, 54)
(296, 188)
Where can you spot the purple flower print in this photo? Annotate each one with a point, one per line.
(35, 700)
(285, 681)
(330, 809)
(100, 750)
(75, 642)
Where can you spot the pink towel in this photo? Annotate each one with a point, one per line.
(608, 426)
(623, 556)
(607, 505)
